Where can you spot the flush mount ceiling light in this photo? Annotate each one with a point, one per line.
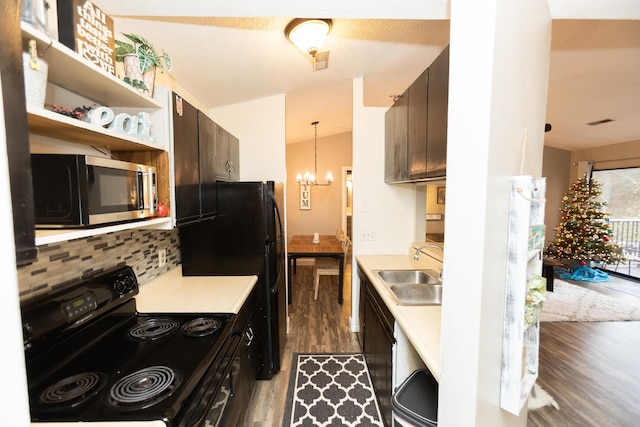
(310, 179)
(308, 35)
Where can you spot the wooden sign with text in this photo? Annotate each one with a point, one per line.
(85, 28)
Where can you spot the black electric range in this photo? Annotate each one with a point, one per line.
(91, 356)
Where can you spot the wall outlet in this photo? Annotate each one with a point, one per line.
(368, 235)
(162, 257)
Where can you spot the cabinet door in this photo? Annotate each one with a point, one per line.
(378, 349)
(234, 158)
(222, 153)
(396, 141)
(438, 102)
(363, 283)
(17, 134)
(417, 127)
(186, 163)
(207, 152)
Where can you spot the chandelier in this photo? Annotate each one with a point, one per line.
(310, 178)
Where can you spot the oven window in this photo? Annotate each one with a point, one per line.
(112, 190)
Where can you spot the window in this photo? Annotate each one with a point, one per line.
(621, 193)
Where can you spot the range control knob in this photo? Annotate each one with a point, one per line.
(123, 284)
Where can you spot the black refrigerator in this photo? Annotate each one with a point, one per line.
(246, 238)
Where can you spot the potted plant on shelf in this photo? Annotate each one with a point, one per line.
(140, 61)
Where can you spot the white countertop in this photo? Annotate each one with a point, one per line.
(421, 324)
(173, 293)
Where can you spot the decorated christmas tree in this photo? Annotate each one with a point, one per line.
(584, 233)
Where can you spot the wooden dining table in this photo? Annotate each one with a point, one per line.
(302, 246)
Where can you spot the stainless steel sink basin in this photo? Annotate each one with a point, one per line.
(409, 276)
(418, 294)
(413, 287)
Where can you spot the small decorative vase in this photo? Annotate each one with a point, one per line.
(35, 80)
(131, 65)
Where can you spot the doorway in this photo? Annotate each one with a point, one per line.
(621, 193)
(347, 201)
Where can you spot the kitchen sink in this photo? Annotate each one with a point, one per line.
(413, 287)
(392, 277)
(423, 294)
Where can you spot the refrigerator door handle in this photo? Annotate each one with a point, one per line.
(279, 239)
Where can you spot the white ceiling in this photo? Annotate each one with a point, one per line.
(594, 71)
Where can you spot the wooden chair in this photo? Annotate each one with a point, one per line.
(330, 267)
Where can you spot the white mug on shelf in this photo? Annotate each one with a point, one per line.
(316, 238)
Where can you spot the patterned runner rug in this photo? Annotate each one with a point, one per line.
(330, 390)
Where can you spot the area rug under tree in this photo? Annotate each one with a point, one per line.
(330, 390)
(572, 303)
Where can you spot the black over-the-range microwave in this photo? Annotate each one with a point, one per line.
(74, 190)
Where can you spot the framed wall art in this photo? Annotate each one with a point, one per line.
(305, 197)
(441, 195)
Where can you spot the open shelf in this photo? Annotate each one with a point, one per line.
(51, 124)
(45, 237)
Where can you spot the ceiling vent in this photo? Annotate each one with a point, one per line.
(321, 61)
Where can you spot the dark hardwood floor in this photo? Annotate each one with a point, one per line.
(320, 326)
(592, 369)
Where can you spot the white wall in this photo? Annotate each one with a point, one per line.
(389, 208)
(498, 82)
(259, 125)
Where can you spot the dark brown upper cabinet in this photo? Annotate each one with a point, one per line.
(194, 163)
(437, 116)
(395, 157)
(416, 127)
(227, 155)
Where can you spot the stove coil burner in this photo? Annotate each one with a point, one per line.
(144, 388)
(154, 328)
(201, 327)
(73, 391)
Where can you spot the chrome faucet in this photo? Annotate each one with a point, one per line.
(416, 256)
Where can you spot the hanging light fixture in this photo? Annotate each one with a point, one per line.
(308, 34)
(308, 178)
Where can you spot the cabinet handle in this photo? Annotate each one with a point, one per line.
(249, 335)
(229, 165)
